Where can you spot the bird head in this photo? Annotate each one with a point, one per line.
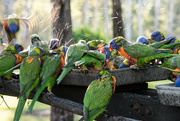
(106, 51)
(116, 43)
(37, 51)
(91, 45)
(104, 74)
(157, 36)
(13, 25)
(18, 47)
(35, 38)
(142, 40)
(54, 43)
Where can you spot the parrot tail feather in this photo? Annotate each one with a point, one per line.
(12, 68)
(19, 109)
(171, 69)
(38, 92)
(85, 113)
(63, 74)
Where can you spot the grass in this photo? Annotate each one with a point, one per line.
(152, 85)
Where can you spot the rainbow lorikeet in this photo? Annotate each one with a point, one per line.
(112, 57)
(63, 49)
(134, 51)
(91, 59)
(125, 64)
(73, 54)
(49, 72)
(54, 44)
(172, 64)
(28, 78)
(11, 27)
(96, 44)
(37, 42)
(157, 36)
(98, 95)
(10, 58)
(142, 40)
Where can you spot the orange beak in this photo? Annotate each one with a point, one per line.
(110, 48)
(56, 44)
(22, 48)
(152, 38)
(99, 46)
(102, 50)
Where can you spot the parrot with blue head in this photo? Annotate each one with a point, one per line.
(124, 64)
(157, 36)
(135, 51)
(11, 27)
(142, 40)
(29, 78)
(54, 44)
(63, 49)
(98, 95)
(10, 58)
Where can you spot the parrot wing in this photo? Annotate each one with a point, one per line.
(7, 61)
(142, 50)
(50, 67)
(29, 71)
(97, 96)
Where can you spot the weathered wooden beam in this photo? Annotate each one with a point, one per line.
(11, 88)
(123, 76)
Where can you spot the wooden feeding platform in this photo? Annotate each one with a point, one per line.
(131, 101)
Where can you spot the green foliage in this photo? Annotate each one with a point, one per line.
(86, 33)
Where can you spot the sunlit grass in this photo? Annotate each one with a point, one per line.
(152, 85)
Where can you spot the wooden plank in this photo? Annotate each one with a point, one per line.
(123, 76)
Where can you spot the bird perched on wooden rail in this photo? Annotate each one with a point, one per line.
(29, 78)
(10, 58)
(135, 51)
(98, 95)
(74, 53)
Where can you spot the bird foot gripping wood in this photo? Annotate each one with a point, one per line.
(134, 67)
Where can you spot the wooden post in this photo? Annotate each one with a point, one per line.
(62, 29)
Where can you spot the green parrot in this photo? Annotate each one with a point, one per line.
(133, 52)
(172, 64)
(37, 42)
(73, 54)
(10, 58)
(49, 72)
(98, 94)
(164, 44)
(29, 78)
(96, 44)
(92, 59)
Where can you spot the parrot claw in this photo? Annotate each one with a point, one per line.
(15, 76)
(134, 67)
(49, 94)
(84, 71)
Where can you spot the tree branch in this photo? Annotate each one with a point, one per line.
(11, 88)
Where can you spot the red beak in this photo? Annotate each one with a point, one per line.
(102, 50)
(22, 48)
(57, 44)
(152, 38)
(110, 48)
